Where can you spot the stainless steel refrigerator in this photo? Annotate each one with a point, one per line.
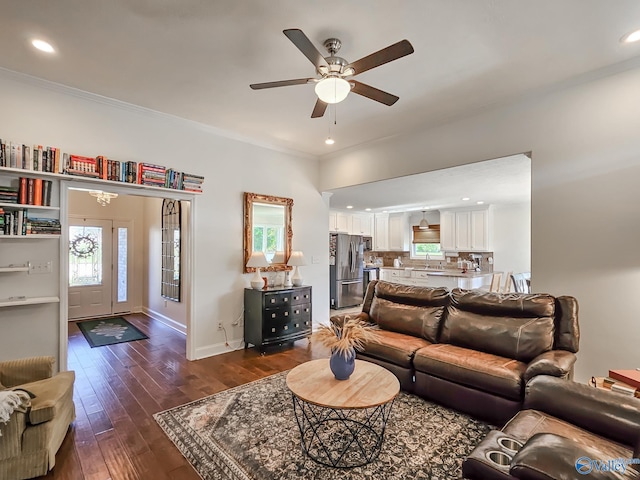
(345, 270)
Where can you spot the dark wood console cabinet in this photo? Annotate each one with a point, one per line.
(276, 315)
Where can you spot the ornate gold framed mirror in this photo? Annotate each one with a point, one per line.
(267, 229)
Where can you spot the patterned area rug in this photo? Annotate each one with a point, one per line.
(108, 331)
(250, 432)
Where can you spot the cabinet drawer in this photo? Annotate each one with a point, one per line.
(301, 296)
(278, 299)
(281, 329)
(424, 275)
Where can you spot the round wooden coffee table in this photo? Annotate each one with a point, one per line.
(342, 422)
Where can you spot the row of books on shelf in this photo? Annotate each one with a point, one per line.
(29, 191)
(17, 222)
(51, 160)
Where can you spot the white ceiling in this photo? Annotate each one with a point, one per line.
(501, 181)
(196, 58)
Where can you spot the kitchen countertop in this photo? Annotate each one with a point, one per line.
(441, 273)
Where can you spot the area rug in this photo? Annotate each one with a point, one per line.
(250, 432)
(108, 331)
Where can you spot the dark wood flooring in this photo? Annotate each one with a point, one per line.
(119, 387)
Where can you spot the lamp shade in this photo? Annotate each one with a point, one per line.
(296, 259)
(278, 257)
(332, 89)
(257, 260)
(423, 223)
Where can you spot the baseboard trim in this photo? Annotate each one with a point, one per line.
(169, 322)
(218, 348)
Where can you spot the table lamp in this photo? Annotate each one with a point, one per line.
(257, 260)
(296, 260)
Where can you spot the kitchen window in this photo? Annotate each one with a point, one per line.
(425, 243)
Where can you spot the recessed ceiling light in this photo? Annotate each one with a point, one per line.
(349, 206)
(464, 199)
(42, 45)
(367, 209)
(385, 211)
(329, 141)
(480, 202)
(426, 208)
(631, 37)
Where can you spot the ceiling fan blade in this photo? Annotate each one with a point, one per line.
(386, 55)
(281, 83)
(303, 43)
(373, 93)
(319, 109)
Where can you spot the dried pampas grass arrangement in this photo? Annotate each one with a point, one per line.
(352, 334)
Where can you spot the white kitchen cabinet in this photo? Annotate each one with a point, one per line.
(465, 230)
(339, 222)
(361, 224)
(447, 230)
(381, 233)
(399, 234)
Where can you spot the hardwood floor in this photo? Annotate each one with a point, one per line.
(119, 387)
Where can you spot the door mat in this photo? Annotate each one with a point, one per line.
(109, 331)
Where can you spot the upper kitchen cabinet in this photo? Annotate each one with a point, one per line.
(339, 222)
(466, 229)
(381, 232)
(399, 232)
(361, 224)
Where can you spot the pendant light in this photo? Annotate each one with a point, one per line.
(424, 225)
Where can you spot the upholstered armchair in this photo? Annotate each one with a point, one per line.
(29, 440)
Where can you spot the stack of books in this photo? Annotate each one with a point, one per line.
(153, 175)
(42, 226)
(623, 381)
(8, 195)
(192, 183)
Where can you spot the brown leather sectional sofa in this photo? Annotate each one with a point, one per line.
(470, 350)
(566, 430)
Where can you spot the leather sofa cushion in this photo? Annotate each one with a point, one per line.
(416, 311)
(504, 304)
(509, 325)
(394, 347)
(483, 371)
(527, 423)
(51, 396)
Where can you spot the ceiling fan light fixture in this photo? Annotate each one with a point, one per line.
(332, 89)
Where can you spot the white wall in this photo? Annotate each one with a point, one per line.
(585, 195)
(125, 207)
(79, 123)
(511, 238)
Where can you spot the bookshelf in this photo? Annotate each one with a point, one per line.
(30, 207)
(22, 301)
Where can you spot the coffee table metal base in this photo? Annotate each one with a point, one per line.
(341, 437)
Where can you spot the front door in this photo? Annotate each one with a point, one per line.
(98, 268)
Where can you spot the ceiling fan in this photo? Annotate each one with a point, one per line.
(336, 73)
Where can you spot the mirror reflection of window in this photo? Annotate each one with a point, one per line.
(268, 228)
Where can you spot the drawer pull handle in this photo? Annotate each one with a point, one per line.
(306, 296)
(273, 300)
(286, 299)
(306, 323)
(296, 297)
(286, 327)
(296, 312)
(306, 309)
(273, 315)
(297, 325)
(286, 314)
(273, 330)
